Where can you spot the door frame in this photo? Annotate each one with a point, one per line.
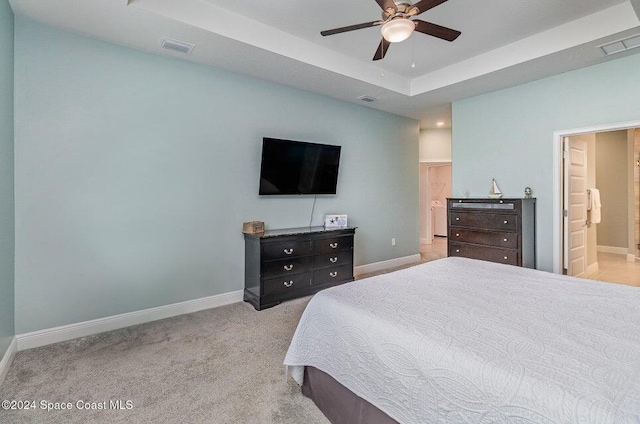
(427, 192)
(558, 180)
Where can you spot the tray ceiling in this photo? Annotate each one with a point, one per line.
(503, 42)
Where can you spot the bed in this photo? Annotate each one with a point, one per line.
(464, 341)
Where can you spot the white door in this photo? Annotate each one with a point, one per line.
(575, 201)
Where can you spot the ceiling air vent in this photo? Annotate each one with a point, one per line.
(368, 99)
(621, 45)
(175, 45)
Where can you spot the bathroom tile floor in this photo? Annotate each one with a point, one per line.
(615, 268)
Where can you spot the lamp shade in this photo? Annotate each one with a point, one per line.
(397, 30)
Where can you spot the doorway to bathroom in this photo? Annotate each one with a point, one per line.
(601, 205)
(435, 187)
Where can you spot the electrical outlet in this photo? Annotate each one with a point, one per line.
(393, 241)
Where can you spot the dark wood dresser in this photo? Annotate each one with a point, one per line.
(496, 230)
(290, 263)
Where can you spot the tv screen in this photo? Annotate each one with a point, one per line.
(295, 167)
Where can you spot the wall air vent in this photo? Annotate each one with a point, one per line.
(621, 45)
(367, 98)
(175, 45)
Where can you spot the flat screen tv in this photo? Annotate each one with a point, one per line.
(295, 167)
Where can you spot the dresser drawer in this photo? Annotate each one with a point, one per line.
(333, 244)
(334, 274)
(505, 240)
(286, 267)
(489, 221)
(285, 284)
(284, 250)
(491, 254)
(344, 257)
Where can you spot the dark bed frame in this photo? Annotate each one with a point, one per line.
(339, 404)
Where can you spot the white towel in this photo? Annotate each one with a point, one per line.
(594, 206)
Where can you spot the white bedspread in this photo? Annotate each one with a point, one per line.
(465, 341)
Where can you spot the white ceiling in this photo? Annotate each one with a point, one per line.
(503, 42)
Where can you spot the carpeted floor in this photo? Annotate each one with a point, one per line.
(221, 365)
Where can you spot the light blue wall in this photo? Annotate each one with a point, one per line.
(135, 172)
(6, 178)
(508, 134)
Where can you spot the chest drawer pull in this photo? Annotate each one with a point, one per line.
(288, 283)
(457, 234)
(333, 260)
(506, 222)
(457, 250)
(506, 258)
(288, 267)
(457, 219)
(505, 240)
(334, 245)
(288, 251)
(333, 274)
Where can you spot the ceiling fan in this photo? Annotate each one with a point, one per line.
(396, 25)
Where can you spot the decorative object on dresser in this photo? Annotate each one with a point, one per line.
(495, 192)
(496, 230)
(253, 227)
(290, 263)
(335, 221)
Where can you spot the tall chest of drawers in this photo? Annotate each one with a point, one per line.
(495, 230)
(290, 263)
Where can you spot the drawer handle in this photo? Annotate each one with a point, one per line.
(457, 219)
(506, 222)
(457, 234)
(334, 245)
(288, 251)
(288, 267)
(333, 274)
(506, 258)
(505, 240)
(457, 250)
(288, 283)
(334, 259)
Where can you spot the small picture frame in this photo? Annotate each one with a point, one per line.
(335, 221)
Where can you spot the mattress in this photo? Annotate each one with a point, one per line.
(465, 341)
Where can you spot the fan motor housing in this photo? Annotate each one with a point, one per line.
(402, 8)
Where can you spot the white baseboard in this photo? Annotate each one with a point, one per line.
(7, 359)
(613, 249)
(87, 328)
(593, 268)
(391, 263)
(631, 257)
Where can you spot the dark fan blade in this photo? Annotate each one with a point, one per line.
(436, 30)
(350, 28)
(382, 49)
(425, 5)
(387, 4)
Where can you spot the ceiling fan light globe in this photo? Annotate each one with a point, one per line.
(397, 30)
